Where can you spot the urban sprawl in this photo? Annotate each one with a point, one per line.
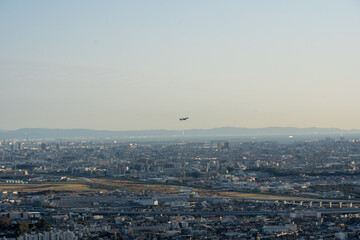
(180, 189)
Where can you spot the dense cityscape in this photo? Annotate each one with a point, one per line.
(180, 189)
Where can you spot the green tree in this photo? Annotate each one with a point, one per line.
(5, 223)
(22, 228)
(43, 225)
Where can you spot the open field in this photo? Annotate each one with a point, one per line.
(136, 186)
(46, 187)
(133, 185)
(101, 184)
(250, 195)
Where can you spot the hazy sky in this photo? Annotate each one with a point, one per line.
(134, 64)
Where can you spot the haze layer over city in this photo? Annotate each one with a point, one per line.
(179, 120)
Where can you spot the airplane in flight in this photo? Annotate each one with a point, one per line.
(183, 118)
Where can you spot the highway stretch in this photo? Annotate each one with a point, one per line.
(207, 213)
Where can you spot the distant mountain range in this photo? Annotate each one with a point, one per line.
(39, 133)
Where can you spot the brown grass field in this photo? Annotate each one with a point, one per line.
(104, 184)
(171, 189)
(46, 187)
(134, 186)
(250, 195)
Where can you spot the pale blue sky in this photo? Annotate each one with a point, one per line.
(124, 65)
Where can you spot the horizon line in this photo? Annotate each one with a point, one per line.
(133, 130)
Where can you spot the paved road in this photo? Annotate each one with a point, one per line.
(293, 199)
(209, 214)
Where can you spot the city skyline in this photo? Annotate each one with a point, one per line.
(129, 65)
